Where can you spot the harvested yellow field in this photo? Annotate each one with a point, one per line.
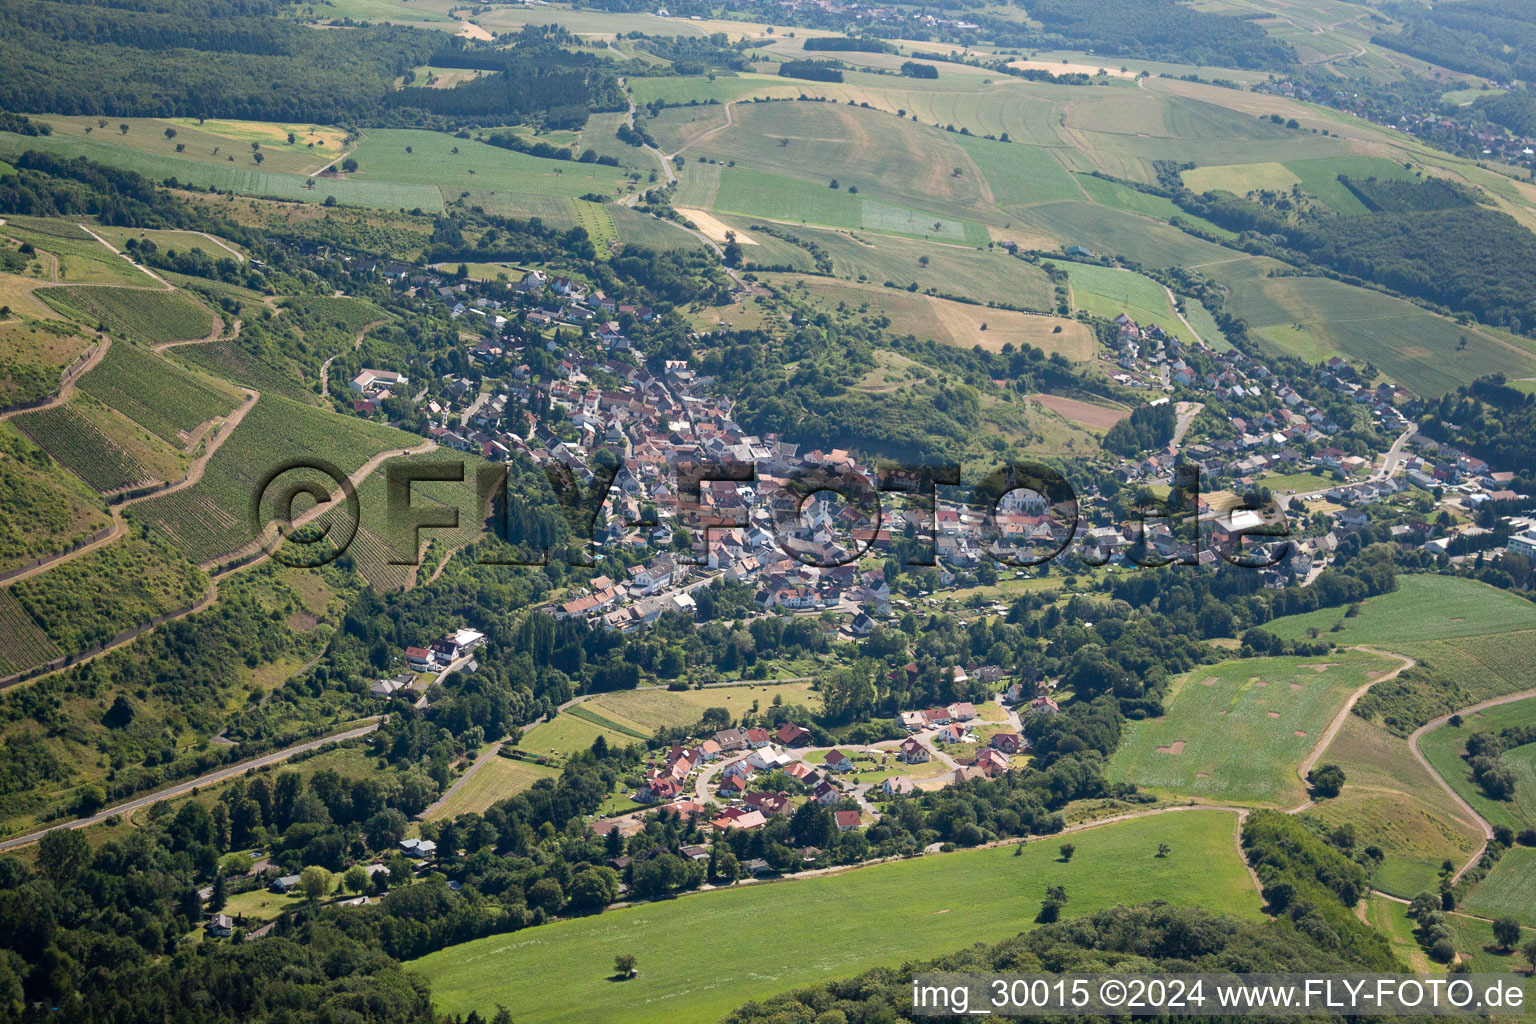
(712, 228)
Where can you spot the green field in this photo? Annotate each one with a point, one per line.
(1445, 745)
(212, 518)
(81, 259)
(566, 734)
(829, 927)
(241, 178)
(1130, 200)
(651, 708)
(1315, 318)
(1237, 731)
(777, 197)
(163, 398)
(1321, 178)
(145, 314)
(497, 779)
(1509, 890)
(985, 276)
(1107, 292)
(1394, 803)
(1424, 607)
(451, 164)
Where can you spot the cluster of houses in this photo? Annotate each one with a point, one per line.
(445, 650)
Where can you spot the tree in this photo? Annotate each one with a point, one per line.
(593, 888)
(1529, 952)
(349, 165)
(1506, 932)
(385, 829)
(314, 881)
(259, 157)
(220, 895)
(61, 854)
(1163, 849)
(1050, 907)
(1326, 781)
(356, 878)
(170, 133)
(624, 965)
(547, 895)
(1067, 850)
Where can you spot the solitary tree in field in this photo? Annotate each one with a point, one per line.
(1326, 780)
(1163, 849)
(1050, 907)
(123, 128)
(259, 157)
(624, 965)
(1067, 850)
(255, 146)
(1529, 952)
(1506, 932)
(170, 133)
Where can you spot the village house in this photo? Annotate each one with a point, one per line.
(913, 752)
(847, 821)
(837, 761)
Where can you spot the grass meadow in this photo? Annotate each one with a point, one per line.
(1237, 731)
(1445, 745)
(702, 955)
(953, 323)
(1392, 802)
(242, 176)
(1107, 292)
(1509, 890)
(499, 778)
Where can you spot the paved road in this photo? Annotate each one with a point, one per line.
(182, 788)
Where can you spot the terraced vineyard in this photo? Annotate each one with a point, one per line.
(209, 519)
(22, 643)
(141, 313)
(163, 398)
(81, 448)
(118, 586)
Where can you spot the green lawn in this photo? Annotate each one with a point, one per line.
(1238, 730)
(242, 177)
(702, 955)
(651, 708)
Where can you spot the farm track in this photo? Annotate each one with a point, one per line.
(1332, 731)
(67, 386)
(1460, 801)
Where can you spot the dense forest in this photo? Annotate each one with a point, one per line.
(222, 58)
(1492, 38)
(1159, 30)
(1463, 257)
